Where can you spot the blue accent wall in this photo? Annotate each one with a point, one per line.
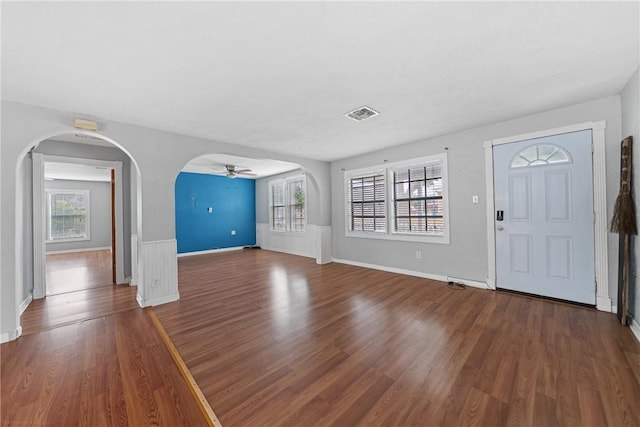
(234, 208)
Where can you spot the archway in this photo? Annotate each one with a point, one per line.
(30, 187)
(196, 202)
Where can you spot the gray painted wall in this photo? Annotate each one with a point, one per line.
(99, 219)
(466, 255)
(630, 100)
(159, 157)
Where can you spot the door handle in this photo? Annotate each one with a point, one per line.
(500, 228)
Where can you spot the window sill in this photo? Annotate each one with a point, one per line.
(288, 233)
(78, 239)
(442, 239)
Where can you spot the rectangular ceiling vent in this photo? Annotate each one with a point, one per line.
(362, 113)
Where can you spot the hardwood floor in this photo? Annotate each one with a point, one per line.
(77, 271)
(110, 371)
(274, 339)
(73, 307)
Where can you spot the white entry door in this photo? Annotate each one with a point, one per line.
(544, 217)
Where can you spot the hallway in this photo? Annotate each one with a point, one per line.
(69, 272)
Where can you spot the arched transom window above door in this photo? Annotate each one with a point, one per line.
(540, 155)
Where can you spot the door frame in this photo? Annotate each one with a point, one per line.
(39, 216)
(603, 301)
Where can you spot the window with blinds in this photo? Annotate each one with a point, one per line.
(417, 199)
(405, 200)
(288, 210)
(68, 217)
(296, 204)
(277, 208)
(367, 200)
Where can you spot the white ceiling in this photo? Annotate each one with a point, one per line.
(281, 76)
(214, 164)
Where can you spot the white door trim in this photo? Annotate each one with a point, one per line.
(39, 216)
(603, 300)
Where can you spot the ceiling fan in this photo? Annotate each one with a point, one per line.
(231, 171)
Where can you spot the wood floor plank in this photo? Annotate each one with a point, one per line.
(75, 307)
(111, 371)
(275, 339)
(75, 271)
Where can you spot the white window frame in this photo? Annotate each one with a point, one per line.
(287, 222)
(389, 233)
(87, 195)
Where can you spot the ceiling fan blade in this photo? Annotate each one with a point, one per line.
(241, 172)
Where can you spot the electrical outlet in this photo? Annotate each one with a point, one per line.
(418, 254)
(474, 199)
(155, 283)
(233, 232)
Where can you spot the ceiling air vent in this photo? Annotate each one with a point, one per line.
(362, 113)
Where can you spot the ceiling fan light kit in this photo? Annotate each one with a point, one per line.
(232, 171)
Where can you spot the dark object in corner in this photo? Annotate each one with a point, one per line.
(624, 223)
(252, 247)
(456, 286)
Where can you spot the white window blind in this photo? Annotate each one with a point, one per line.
(367, 203)
(406, 200)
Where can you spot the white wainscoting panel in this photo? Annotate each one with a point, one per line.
(134, 260)
(314, 242)
(158, 275)
(303, 244)
(324, 251)
(635, 327)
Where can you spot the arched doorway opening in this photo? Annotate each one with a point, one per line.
(33, 227)
(212, 209)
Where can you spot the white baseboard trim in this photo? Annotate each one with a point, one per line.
(290, 252)
(25, 303)
(210, 251)
(10, 336)
(635, 328)
(72, 251)
(604, 304)
(157, 301)
(439, 277)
